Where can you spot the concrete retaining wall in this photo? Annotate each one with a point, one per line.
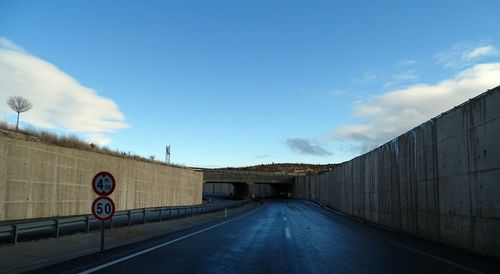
(439, 181)
(38, 180)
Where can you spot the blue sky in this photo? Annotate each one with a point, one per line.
(235, 83)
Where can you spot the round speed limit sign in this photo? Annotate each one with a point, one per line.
(103, 208)
(103, 183)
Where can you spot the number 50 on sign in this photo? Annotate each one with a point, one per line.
(103, 208)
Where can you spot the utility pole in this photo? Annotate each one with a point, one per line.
(167, 154)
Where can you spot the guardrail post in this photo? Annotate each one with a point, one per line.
(143, 215)
(57, 227)
(111, 222)
(129, 215)
(15, 233)
(169, 213)
(87, 224)
(159, 216)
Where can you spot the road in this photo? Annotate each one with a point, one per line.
(293, 237)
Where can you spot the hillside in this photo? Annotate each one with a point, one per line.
(289, 168)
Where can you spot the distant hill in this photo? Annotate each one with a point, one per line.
(289, 168)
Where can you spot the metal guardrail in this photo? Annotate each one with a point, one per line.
(25, 230)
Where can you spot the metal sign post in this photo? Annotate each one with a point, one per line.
(103, 207)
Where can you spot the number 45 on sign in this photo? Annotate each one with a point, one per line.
(103, 183)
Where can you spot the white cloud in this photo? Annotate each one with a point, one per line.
(304, 146)
(402, 77)
(407, 62)
(98, 138)
(60, 102)
(480, 51)
(367, 78)
(464, 54)
(384, 117)
(8, 45)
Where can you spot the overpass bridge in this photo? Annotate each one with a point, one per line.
(244, 184)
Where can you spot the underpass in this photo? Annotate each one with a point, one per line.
(219, 184)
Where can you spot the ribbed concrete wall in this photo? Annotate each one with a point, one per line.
(38, 180)
(439, 181)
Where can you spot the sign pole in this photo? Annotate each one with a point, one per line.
(103, 207)
(102, 236)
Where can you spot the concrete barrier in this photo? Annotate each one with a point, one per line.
(440, 181)
(39, 180)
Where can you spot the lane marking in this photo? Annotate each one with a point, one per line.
(327, 208)
(427, 254)
(160, 245)
(284, 219)
(287, 233)
(402, 245)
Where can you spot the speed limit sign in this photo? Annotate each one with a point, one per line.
(103, 208)
(103, 183)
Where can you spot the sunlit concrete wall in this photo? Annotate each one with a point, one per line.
(38, 180)
(439, 181)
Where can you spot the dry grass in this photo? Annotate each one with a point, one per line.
(69, 141)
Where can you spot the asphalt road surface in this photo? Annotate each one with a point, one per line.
(293, 237)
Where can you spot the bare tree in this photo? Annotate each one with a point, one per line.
(19, 104)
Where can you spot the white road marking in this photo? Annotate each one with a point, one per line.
(405, 246)
(284, 219)
(160, 246)
(427, 254)
(287, 233)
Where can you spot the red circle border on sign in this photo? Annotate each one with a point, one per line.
(104, 173)
(112, 211)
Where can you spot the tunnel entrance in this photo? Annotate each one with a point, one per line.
(223, 191)
(240, 190)
(263, 190)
